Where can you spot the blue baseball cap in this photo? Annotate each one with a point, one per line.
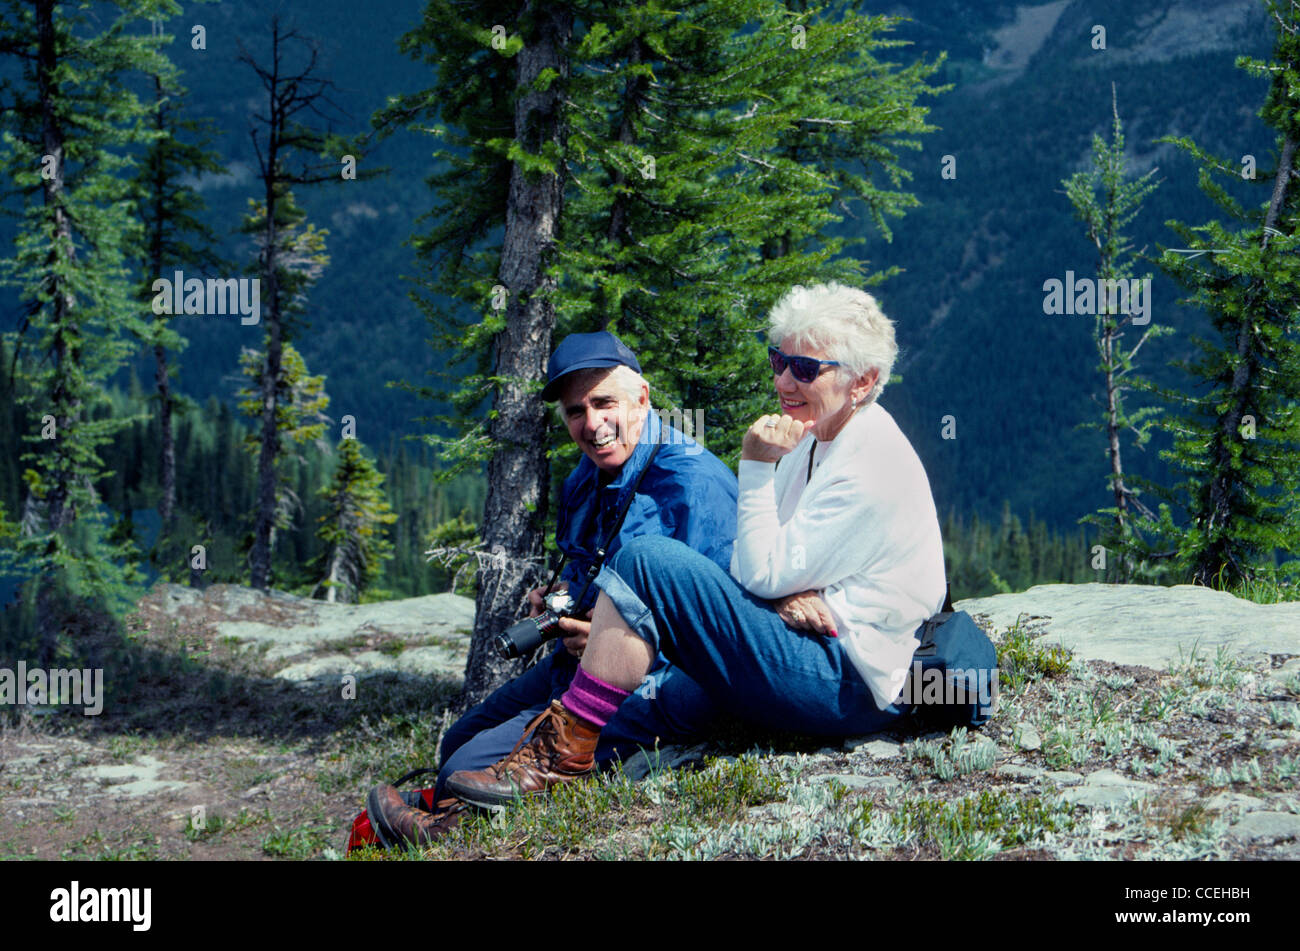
(582, 352)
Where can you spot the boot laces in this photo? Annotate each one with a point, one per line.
(540, 732)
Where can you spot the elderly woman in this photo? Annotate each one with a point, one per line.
(837, 562)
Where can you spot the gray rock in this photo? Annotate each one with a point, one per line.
(1225, 801)
(1158, 621)
(1063, 777)
(432, 660)
(131, 779)
(1021, 772)
(276, 618)
(1029, 738)
(1266, 827)
(1274, 743)
(876, 749)
(319, 668)
(1107, 789)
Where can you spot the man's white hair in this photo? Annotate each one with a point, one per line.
(627, 380)
(845, 323)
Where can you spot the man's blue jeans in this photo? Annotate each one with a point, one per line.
(668, 707)
(735, 646)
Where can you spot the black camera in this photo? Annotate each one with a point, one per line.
(526, 635)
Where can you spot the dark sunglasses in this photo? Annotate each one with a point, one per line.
(803, 369)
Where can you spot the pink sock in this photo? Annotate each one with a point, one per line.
(593, 699)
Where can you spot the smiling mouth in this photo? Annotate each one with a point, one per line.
(793, 404)
(604, 441)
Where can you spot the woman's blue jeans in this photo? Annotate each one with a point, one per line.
(735, 646)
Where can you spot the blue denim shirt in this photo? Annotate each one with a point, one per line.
(688, 494)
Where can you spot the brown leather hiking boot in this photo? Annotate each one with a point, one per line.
(399, 825)
(562, 748)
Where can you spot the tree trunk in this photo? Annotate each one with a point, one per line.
(63, 402)
(167, 502)
(515, 511)
(269, 452)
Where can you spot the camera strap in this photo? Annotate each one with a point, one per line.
(594, 568)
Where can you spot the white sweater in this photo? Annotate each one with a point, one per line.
(863, 531)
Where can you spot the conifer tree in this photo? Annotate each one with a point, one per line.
(70, 123)
(1236, 443)
(174, 236)
(353, 527)
(300, 401)
(1106, 201)
(290, 256)
(631, 168)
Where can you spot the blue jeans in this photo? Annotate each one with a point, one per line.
(735, 646)
(668, 707)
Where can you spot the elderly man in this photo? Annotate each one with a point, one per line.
(686, 494)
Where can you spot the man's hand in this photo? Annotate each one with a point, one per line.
(806, 611)
(771, 437)
(577, 629)
(535, 603)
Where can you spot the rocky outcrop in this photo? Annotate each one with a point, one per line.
(305, 641)
(1146, 624)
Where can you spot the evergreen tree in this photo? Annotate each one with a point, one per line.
(352, 528)
(1106, 202)
(1237, 442)
(169, 208)
(300, 402)
(644, 174)
(69, 125)
(290, 256)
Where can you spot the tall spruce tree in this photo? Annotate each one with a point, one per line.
(1107, 201)
(1237, 442)
(663, 173)
(289, 152)
(300, 402)
(174, 236)
(70, 124)
(353, 527)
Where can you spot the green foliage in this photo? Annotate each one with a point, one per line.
(1236, 432)
(689, 205)
(353, 526)
(299, 418)
(985, 558)
(68, 132)
(1022, 659)
(977, 826)
(455, 540)
(1106, 202)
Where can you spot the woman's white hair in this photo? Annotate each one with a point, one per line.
(845, 323)
(628, 381)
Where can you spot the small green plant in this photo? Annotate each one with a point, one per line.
(961, 757)
(1022, 659)
(977, 826)
(1285, 714)
(302, 842)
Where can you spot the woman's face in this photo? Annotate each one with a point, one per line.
(825, 400)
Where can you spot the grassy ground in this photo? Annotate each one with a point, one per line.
(199, 755)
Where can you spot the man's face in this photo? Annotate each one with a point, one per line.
(604, 423)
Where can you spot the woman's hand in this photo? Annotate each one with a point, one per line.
(771, 437)
(806, 611)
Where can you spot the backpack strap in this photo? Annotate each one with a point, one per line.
(927, 647)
